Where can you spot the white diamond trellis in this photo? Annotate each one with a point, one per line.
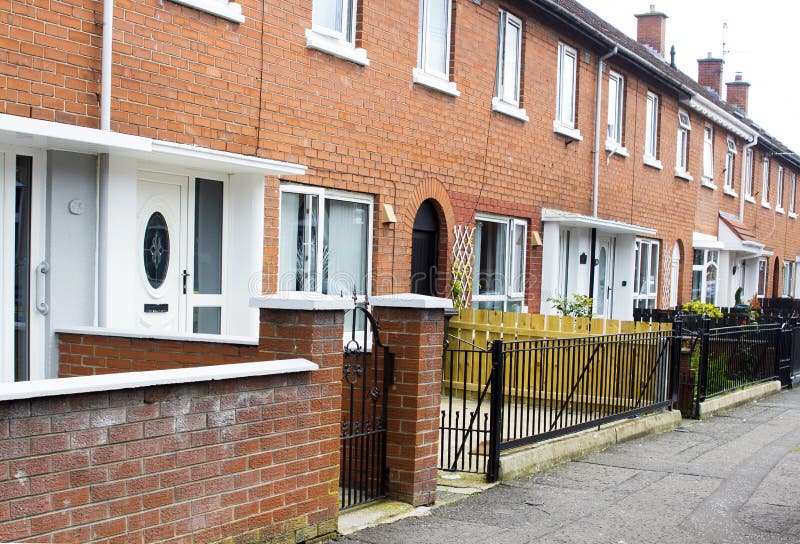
(461, 272)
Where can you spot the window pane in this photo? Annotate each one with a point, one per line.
(711, 284)
(567, 94)
(22, 256)
(298, 242)
(518, 249)
(436, 24)
(613, 91)
(208, 237)
(511, 63)
(344, 256)
(698, 257)
(643, 259)
(207, 320)
(697, 285)
(328, 14)
(490, 248)
(652, 278)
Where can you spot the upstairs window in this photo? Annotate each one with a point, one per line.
(433, 53)
(748, 175)
(730, 157)
(509, 67)
(793, 193)
(651, 129)
(682, 153)
(333, 30)
(765, 183)
(708, 153)
(616, 94)
(567, 85)
(779, 195)
(509, 52)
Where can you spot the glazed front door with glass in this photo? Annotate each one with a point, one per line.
(604, 277)
(180, 229)
(23, 269)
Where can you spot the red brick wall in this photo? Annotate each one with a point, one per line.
(196, 462)
(255, 88)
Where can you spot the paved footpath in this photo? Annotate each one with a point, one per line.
(734, 478)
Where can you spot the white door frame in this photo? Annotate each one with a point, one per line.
(38, 321)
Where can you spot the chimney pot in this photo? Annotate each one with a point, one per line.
(651, 29)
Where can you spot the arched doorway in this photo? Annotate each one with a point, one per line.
(425, 250)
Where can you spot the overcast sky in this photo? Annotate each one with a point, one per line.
(762, 41)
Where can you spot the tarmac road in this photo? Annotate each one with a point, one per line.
(734, 478)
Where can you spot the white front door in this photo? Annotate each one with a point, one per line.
(23, 270)
(181, 276)
(604, 277)
(161, 224)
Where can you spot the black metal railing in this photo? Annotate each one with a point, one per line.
(555, 387)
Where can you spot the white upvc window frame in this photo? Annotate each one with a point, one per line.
(616, 109)
(509, 68)
(749, 159)
(682, 145)
(708, 155)
(793, 196)
(423, 73)
(512, 260)
(761, 277)
(710, 259)
(730, 166)
(339, 42)
(651, 130)
(788, 279)
(230, 11)
(765, 183)
(322, 195)
(779, 192)
(646, 296)
(565, 101)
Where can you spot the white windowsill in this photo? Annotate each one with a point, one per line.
(766, 205)
(615, 148)
(708, 183)
(230, 10)
(793, 215)
(560, 128)
(750, 199)
(148, 378)
(151, 335)
(683, 174)
(652, 162)
(501, 106)
(336, 47)
(421, 77)
(780, 211)
(730, 192)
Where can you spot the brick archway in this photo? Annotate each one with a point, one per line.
(434, 191)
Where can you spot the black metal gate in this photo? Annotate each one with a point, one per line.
(368, 373)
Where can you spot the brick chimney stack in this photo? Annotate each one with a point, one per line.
(651, 30)
(709, 73)
(738, 92)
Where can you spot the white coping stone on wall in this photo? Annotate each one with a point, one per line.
(152, 335)
(148, 378)
(411, 300)
(301, 300)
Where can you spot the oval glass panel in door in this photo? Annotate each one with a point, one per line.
(156, 250)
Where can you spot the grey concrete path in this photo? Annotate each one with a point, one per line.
(734, 478)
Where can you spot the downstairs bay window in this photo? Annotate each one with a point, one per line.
(705, 272)
(499, 282)
(645, 279)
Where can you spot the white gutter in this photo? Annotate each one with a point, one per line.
(742, 194)
(105, 65)
(598, 98)
(714, 113)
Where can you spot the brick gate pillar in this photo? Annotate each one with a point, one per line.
(413, 328)
(310, 326)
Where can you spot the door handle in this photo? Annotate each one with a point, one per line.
(41, 296)
(185, 277)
